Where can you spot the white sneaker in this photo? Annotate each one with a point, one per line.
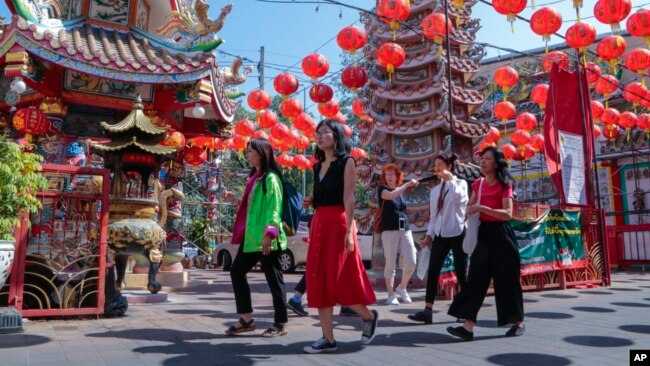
(404, 295)
(392, 300)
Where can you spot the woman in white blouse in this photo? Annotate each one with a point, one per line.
(446, 230)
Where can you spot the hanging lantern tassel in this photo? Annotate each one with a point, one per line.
(439, 52)
(533, 4)
(391, 69)
(394, 26)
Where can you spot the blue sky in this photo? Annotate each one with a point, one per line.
(290, 31)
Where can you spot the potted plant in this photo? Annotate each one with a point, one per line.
(19, 183)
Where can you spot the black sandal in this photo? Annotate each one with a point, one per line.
(245, 327)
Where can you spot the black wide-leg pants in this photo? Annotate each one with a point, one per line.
(496, 258)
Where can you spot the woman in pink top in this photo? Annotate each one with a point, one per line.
(496, 256)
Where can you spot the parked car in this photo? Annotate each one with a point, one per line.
(295, 255)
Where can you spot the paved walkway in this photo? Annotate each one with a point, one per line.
(572, 327)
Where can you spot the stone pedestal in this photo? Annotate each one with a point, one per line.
(170, 281)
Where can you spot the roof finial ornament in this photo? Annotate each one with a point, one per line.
(138, 103)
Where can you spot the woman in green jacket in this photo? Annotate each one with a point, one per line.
(258, 231)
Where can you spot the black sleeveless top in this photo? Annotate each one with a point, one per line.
(329, 191)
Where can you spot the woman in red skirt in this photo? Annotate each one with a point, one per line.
(335, 272)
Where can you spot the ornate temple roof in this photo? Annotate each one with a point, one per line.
(119, 55)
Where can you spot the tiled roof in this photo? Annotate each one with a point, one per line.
(113, 49)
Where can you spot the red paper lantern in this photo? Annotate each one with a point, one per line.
(173, 139)
(258, 99)
(284, 160)
(351, 38)
(302, 122)
(627, 121)
(358, 153)
(493, 135)
(286, 84)
(638, 60)
(520, 137)
(195, 155)
(559, 57)
(267, 119)
(301, 162)
(611, 132)
(31, 121)
(260, 134)
(315, 65)
(391, 56)
(611, 48)
(245, 127)
(279, 131)
(597, 131)
(509, 151)
(329, 109)
(606, 85)
(302, 142)
(340, 118)
(612, 12)
(634, 92)
(526, 121)
(509, 8)
(610, 117)
(354, 77)
(321, 93)
(239, 142)
(392, 12)
(537, 142)
(291, 108)
(597, 109)
(539, 94)
(506, 77)
(545, 22)
(357, 108)
(593, 73)
(435, 27)
(504, 111)
(643, 122)
(638, 25)
(527, 152)
(580, 36)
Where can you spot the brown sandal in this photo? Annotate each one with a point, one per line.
(245, 327)
(276, 330)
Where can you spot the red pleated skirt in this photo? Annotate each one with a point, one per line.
(334, 276)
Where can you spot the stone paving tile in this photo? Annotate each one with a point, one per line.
(563, 327)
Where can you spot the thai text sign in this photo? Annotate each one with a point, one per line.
(552, 242)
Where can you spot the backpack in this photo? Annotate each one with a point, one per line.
(291, 208)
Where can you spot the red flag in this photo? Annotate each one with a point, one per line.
(565, 118)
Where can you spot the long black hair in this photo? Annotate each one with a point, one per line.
(267, 159)
(449, 160)
(342, 145)
(502, 174)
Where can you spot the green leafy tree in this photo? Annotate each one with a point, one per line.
(20, 180)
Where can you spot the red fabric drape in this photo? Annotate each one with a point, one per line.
(563, 113)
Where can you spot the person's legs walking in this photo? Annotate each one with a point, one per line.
(390, 243)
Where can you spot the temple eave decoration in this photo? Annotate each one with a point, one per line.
(151, 148)
(136, 119)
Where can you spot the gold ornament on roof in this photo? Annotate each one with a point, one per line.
(138, 119)
(53, 106)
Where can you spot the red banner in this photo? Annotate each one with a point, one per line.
(565, 115)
